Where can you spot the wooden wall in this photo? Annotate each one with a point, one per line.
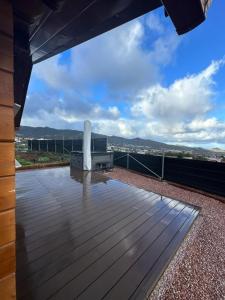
(7, 162)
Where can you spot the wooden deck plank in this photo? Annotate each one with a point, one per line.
(52, 256)
(108, 237)
(110, 248)
(78, 214)
(73, 210)
(83, 225)
(106, 270)
(89, 240)
(140, 268)
(76, 204)
(148, 283)
(82, 232)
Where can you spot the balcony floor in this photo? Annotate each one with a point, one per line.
(86, 236)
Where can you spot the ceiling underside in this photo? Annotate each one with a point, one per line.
(54, 26)
(44, 28)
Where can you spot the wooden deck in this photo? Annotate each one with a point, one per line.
(90, 237)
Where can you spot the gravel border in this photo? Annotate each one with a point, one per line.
(197, 271)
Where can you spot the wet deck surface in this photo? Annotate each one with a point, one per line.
(90, 237)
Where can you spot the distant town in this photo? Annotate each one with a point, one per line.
(216, 156)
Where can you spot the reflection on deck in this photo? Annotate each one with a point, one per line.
(86, 236)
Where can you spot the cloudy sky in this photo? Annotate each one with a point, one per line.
(139, 80)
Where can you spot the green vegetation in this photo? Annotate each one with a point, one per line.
(43, 159)
(23, 161)
(178, 154)
(199, 157)
(32, 158)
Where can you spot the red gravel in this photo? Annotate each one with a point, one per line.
(198, 269)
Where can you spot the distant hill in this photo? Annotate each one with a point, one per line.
(52, 133)
(120, 141)
(217, 150)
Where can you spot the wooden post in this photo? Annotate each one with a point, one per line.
(7, 156)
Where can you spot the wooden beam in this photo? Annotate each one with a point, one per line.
(7, 157)
(7, 192)
(8, 287)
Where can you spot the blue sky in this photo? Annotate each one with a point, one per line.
(139, 80)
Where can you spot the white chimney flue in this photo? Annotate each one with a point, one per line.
(87, 146)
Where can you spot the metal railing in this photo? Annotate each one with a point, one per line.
(61, 145)
(205, 176)
(128, 156)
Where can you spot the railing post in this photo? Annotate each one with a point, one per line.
(47, 145)
(39, 146)
(31, 148)
(55, 146)
(163, 163)
(93, 144)
(128, 161)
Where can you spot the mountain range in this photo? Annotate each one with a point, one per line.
(52, 133)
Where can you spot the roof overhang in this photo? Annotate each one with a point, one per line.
(44, 28)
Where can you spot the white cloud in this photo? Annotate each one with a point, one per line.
(164, 47)
(121, 127)
(154, 23)
(178, 113)
(96, 112)
(53, 73)
(181, 101)
(210, 123)
(114, 111)
(116, 58)
(174, 114)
